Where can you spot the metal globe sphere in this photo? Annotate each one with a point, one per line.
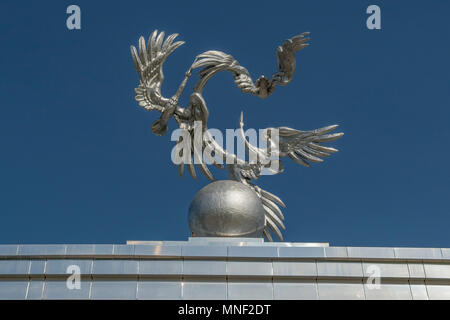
(226, 208)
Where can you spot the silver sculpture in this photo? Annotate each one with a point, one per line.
(301, 146)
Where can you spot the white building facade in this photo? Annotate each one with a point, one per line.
(222, 269)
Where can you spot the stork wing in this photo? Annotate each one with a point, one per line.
(148, 62)
(213, 61)
(273, 215)
(195, 141)
(286, 57)
(304, 146)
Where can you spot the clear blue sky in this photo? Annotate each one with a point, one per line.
(79, 164)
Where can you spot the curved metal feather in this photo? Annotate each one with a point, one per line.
(148, 62)
(214, 61)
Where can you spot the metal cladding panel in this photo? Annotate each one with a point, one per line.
(41, 250)
(160, 267)
(123, 249)
(336, 252)
(8, 249)
(159, 289)
(339, 269)
(418, 253)
(438, 291)
(248, 290)
(35, 290)
(445, 253)
(14, 267)
(204, 251)
(416, 270)
(418, 290)
(80, 249)
(341, 290)
(437, 271)
(370, 252)
(295, 290)
(59, 289)
(157, 250)
(13, 289)
(205, 267)
(205, 289)
(253, 252)
(294, 268)
(386, 270)
(63, 267)
(388, 291)
(89, 250)
(37, 267)
(301, 252)
(115, 267)
(113, 289)
(249, 268)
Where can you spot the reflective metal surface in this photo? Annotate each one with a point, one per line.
(341, 290)
(60, 267)
(387, 270)
(252, 252)
(155, 250)
(159, 289)
(418, 253)
(438, 291)
(339, 269)
(366, 252)
(208, 268)
(89, 249)
(13, 289)
(204, 251)
(10, 267)
(295, 290)
(123, 250)
(204, 289)
(249, 290)
(42, 250)
(294, 268)
(35, 290)
(416, 270)
(114, 289)
(37, 267)
(388, 292)
(418, 290)
(205, 267)
(226, 209)
(249, 268)
(58, 289)
(110, 267)
(160, 267)
(445, 253)
(336, 252)
(8, 249)
(299, 252)
(80, 249)
(436, 271)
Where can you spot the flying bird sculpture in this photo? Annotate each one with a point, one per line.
(303, 147)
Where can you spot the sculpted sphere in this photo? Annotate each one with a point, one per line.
(226, 208)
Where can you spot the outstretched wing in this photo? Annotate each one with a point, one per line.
(300, 146)
(148, 62)
(195, 142)
(286, 57)
(213, 61)
(273, 215)
(305, 146)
